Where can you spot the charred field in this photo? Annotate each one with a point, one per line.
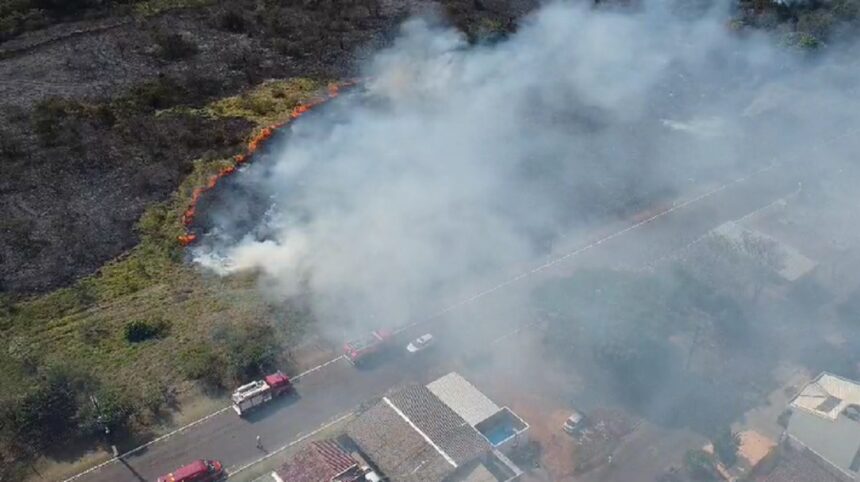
(135, 136)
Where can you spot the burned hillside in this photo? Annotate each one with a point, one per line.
(98, 119)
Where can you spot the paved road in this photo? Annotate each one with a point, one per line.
(324, 394)
(338, 388)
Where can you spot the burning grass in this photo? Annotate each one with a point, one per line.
(83, 325)
(272, 105)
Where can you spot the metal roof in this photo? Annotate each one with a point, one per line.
(827, 396)
(463, 398)
(819, 421)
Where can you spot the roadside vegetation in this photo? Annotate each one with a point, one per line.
(157, 322)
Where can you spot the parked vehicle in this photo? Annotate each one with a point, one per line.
(197, 471)
(574, 423)
(371, 476)
(358, 350)
(421, 343)
(256, 393)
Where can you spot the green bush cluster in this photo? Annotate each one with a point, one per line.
(700, 465)
(137, 331)
(62, 404)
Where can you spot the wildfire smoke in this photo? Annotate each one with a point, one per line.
(188, 237)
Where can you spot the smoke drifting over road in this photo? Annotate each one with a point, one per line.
(454, 162)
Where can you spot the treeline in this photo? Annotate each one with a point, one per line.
(807, 24)
(66, 405)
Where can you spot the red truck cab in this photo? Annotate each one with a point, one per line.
(197, 471)
(279, 382)
(359, 349)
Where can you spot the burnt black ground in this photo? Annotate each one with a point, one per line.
(73, 187)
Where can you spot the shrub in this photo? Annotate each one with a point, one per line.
(174, 46)
(699, 465)
(140, 330)
(202, 363)
(251, 350)
(802, 40)
(232, 21)
(49, 120)
(10, 146)
(726, 446)
(817, 23)
(48, 414)
(161, 93)
(109, 408)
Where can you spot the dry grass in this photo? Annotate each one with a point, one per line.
(82, 325)
(266, 104)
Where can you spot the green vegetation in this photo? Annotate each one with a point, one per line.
(809, 25)
(700, 465)
(265, 104)
(140, 330)
(726, 444)
(147, 325)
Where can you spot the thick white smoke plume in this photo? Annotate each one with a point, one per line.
(456, 162)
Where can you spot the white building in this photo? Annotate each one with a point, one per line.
(825, 420)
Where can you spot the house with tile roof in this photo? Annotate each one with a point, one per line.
(321, 461)
(428, 433)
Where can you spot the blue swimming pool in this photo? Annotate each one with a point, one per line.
(499, 433)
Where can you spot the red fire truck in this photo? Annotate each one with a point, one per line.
(358, 350)
(256, 393)
(197, 471)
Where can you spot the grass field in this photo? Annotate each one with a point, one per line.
(85, 325)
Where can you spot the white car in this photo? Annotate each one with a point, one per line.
(420, 343)
(574, 423)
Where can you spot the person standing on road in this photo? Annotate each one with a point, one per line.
(259, 442)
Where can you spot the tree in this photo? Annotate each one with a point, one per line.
(109, 408)
(699, 465)
(251, 349)
(48, 413)
(636, 360)
(726, 446)
(203, 363)
(737, 268)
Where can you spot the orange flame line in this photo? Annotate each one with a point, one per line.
(254, 144)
